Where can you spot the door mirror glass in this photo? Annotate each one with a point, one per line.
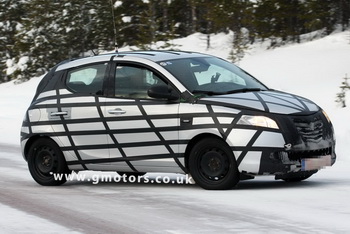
(163, 92)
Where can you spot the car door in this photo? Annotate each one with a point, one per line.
(76, 117)
(143, 130)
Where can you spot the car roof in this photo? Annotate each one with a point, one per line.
(152, 55)
(162, 55)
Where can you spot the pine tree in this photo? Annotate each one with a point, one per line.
(320, 14)
(193, 16)
(341, 96)
(87, 25)
(341, 10)
(102, 31)
(265, 22)
(11, 12)
(56, 30)
(234, 15)
(36, 34)
(239, 46)
(40, 40)
(131, 22)
(181, 15)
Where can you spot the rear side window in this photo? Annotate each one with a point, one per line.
(88, 79)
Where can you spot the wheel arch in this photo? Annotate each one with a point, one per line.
(30, 142)
(194, 141)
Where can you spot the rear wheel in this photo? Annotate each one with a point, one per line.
(46, 163)
(213, 165)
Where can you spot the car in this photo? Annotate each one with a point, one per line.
(175, 112)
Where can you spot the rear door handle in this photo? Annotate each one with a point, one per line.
(117, 111)
(59, 113)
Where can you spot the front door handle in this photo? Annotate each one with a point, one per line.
(59, 113)
(117, 111)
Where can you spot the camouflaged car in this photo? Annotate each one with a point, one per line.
(171, 111)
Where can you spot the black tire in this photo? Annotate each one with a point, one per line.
(213, 165)
(297, 176)
(46, 159)
(136, 174)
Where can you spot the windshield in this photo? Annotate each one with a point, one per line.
(211, 75)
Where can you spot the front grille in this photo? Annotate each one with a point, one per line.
(311, 131)
(297, 155)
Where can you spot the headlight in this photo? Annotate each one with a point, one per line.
(327, 117)
(259, 121)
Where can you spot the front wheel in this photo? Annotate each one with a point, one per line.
(213, 165)
(46, 163)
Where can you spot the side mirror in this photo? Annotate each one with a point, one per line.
(163, 92)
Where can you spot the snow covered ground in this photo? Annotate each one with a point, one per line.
(321, 204)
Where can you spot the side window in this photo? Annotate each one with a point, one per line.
(87, 79)
(134, 82)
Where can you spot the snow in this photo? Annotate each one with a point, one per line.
(118, 4)
(313, 69)
(126, 19)
(21, 65)
(10, 223)
(14, 100)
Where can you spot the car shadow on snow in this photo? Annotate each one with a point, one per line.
(259, 184)
(152, 180)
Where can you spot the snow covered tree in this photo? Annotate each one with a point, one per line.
(36, 34)
(39, 40)
(278, 19)
(102, 25)
(320, 14)
(343, 13)
(131, 22)
(234, 16)
(166, 24)
(148, 18)
(183, 14)
(239, 46)
(86, 25)
(150, 29)
(56, 30)
(11, 12)
(341, 96)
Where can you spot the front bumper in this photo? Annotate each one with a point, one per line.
(281, 162)
(310, 145)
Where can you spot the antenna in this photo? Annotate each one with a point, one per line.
(94, 53)
(114, 29)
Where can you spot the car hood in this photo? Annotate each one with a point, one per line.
(267, 101)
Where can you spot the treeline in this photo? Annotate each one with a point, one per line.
(36, 34)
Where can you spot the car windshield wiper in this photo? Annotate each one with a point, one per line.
(211, 93)
(207, 92)
(244, 90)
